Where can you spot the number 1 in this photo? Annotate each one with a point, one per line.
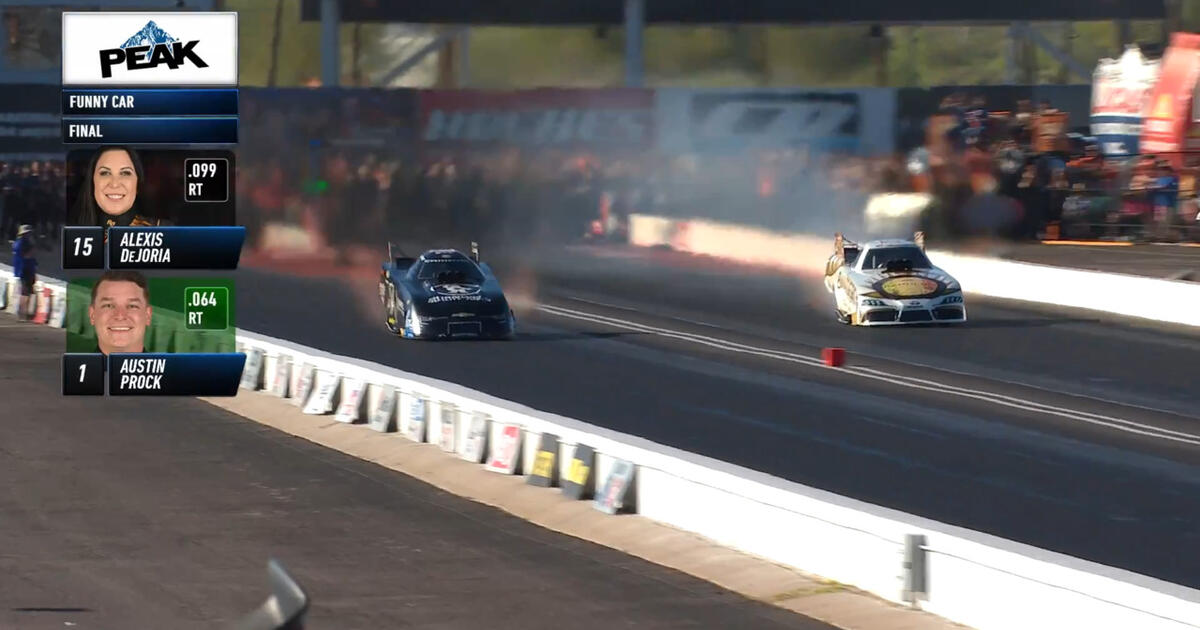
(82, 371)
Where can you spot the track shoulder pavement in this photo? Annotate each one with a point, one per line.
(742, 573)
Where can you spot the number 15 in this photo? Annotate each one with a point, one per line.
(84, 244)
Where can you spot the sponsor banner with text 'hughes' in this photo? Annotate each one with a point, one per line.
(620, 118)
(167, 49)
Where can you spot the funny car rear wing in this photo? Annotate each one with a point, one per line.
(846, 249)
(395, 252)
(399, 260)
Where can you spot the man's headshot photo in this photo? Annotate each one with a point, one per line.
(126, 311)
(120, 311)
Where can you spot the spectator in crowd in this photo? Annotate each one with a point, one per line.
(975, 121)
(18, 203)
(1137, 207)
(1032, 199)
(1165, 197)
(1021, 122)
(24, 263)
(1009, 164)
(981, 166)
(1089, 168)
(1077, 208)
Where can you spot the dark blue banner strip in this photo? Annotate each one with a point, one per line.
(175, 247)
(173, 102)
(190, 374)
(149, 130)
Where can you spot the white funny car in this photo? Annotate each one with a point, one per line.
(889, 283)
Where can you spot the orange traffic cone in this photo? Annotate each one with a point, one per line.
(43, 306)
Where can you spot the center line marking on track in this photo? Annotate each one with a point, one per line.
(1015, 383)
(1121, 424)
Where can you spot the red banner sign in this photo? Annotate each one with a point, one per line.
(546, 118)
(1121, 86)
(1170, 104)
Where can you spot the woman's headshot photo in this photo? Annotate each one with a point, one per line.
(121, 186)
(108, 195)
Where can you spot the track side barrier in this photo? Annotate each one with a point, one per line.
(972, 578)
(1156, 299)
(964, 572)
(49, 302)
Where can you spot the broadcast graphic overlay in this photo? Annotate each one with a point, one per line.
(133, 79)
(162, 336)
(159, 208)
(150, 115)
(110, 60)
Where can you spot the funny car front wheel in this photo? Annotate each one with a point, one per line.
(394, 316)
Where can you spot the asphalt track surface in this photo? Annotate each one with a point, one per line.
(161, 513)
(1072, 432)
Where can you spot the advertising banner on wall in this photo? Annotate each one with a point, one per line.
(1170, 105)
(30, 127)
(543, 118)
(277, 122)
(859, 121)
(1120, 90)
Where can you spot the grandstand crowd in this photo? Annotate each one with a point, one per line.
(1000, 190)
(32, 192)
(1052, 183)
(984, 171)
(1015, 173)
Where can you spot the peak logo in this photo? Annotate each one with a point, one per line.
(150, 48)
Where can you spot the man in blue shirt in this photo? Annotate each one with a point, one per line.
(1166, 197)
(24, 268)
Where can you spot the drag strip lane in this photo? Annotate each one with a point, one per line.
(961, 461)
(1014, 402)
(1076, 351)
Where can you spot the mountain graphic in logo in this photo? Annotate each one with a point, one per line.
(150, 35)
